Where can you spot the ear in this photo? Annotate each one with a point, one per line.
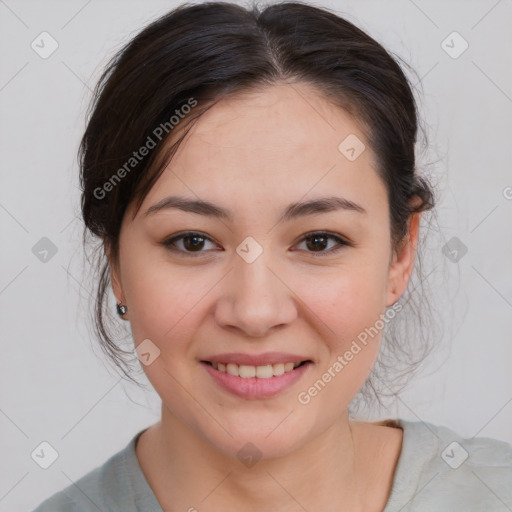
(115, 277)
(402, 263)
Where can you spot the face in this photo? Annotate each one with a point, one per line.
(252, 288)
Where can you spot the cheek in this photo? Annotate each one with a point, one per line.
(350, 307)
(348, 301)
(162, 296)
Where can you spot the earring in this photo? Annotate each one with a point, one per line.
(121, 309)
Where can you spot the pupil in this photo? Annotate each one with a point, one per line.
(197, 241)
(316, 238)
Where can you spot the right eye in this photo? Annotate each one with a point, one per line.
(192, 242)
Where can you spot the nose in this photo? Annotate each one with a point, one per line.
(255, 299)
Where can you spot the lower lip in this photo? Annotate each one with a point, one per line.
(254, 388)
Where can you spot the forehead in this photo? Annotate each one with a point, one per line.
(287, 121)
(278, 141)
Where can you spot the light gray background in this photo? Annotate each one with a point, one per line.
(55, 388)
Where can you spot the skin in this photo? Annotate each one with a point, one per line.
(254, 154)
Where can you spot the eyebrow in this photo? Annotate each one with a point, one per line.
(292, 211)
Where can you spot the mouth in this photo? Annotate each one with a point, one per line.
(266, 371)
(255, 381)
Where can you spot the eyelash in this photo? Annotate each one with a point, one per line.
(169, 243)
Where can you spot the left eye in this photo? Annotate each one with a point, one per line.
(319, 241)
(193, 242)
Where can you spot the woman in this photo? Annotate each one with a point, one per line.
(251, 175)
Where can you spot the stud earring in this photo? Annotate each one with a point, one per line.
(121, 309)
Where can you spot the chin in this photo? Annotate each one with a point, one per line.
(251, 446)
(259, 435)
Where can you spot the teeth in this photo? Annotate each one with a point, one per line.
(261, 372)
(246, 372)
(278, 369)
(264, 372)
(288, 367)
(232, 369)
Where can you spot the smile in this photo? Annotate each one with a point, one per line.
(266, 371)
(255, 381)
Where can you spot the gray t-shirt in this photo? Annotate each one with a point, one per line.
(437, 471)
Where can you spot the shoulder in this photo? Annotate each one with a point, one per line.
(438, 469)
(104, 488)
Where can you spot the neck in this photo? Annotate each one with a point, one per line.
(187, 473)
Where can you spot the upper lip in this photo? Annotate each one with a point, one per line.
(257, 359)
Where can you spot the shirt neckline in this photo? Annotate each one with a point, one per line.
(405, 478)
(143, 496)
(411, 461)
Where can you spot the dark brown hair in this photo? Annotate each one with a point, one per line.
(205, 52)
